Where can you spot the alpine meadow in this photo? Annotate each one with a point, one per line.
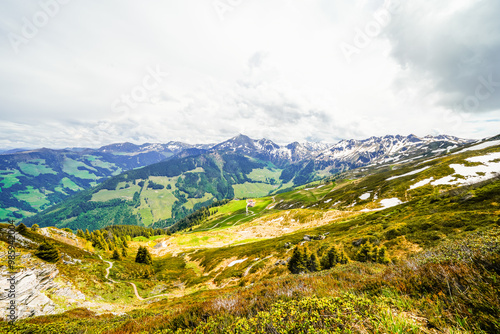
(241, 167)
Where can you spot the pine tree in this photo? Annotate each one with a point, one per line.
(313, 263)
(35, 227)
(298, 261)
(118, 242)
(124, 253)
(87, 235)
(382, 255)
(116, 255)
(80, 234)
(110, 245)
(333, 257)
(343, 259)
(147, 257)
(21, 228)
(48, 252)
(139, 258)
(143, 256)
(365, 253)
(330, 259)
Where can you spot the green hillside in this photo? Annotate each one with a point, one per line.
(421, 243)
(160, 194)
(35, 180)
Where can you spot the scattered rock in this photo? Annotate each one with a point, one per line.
(31, 287)
(118, 314)
(160, 245)
(359, 242)
(20, 240)
(66, 259)
(306, 238)
(280, 262)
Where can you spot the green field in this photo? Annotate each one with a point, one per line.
(35, 167)
(248, 189)
(70, 166)
(67, 183)
(233, 213)
(262, 174)
(96, 162)
(33, 196)
(121, 193)
(192, 201)
(165, 181)
(9, 177)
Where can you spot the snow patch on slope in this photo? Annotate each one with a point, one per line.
(407, 174)
(480, 146)
(473, 174)
(236, 262)
(364, 196)
(421, 183)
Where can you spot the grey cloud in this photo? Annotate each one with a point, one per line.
(257, 59)
(456, 56)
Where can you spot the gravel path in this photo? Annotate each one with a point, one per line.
(113, 281)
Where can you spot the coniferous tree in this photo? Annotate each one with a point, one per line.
(143, 256)
(35, 227)
(87, 235)
(110, 245)
(124, 253)
(343, 259)
(370, 253)
(139, 258)
(47, 252)
(298, 261)
(382, 255)
(333, 257)
(313, 263)
(22, 228)
(80, 234)
(365, 253)
(116, 255)
(147, 257)
(118, 242)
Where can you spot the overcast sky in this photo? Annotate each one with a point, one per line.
(90, 73)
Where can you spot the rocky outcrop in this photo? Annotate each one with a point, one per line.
(20, 241)
(32, 285)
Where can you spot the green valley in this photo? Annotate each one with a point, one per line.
(400, 248)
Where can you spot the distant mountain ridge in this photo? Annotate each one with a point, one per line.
(34, 180)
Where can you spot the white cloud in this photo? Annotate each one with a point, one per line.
(268, 69)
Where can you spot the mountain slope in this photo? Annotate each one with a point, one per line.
(34, 180)
(165, 192)
(229, 269)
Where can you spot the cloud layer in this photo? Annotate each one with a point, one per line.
(75, 73)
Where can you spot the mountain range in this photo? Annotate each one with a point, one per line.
(166, 182)
(392, 247)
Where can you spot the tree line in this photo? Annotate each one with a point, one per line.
(304, 260)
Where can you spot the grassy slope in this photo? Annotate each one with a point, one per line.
(396, 303)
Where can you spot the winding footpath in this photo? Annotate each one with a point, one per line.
(246, 216)
(113, 281)
(273, 204)
(250, 267)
